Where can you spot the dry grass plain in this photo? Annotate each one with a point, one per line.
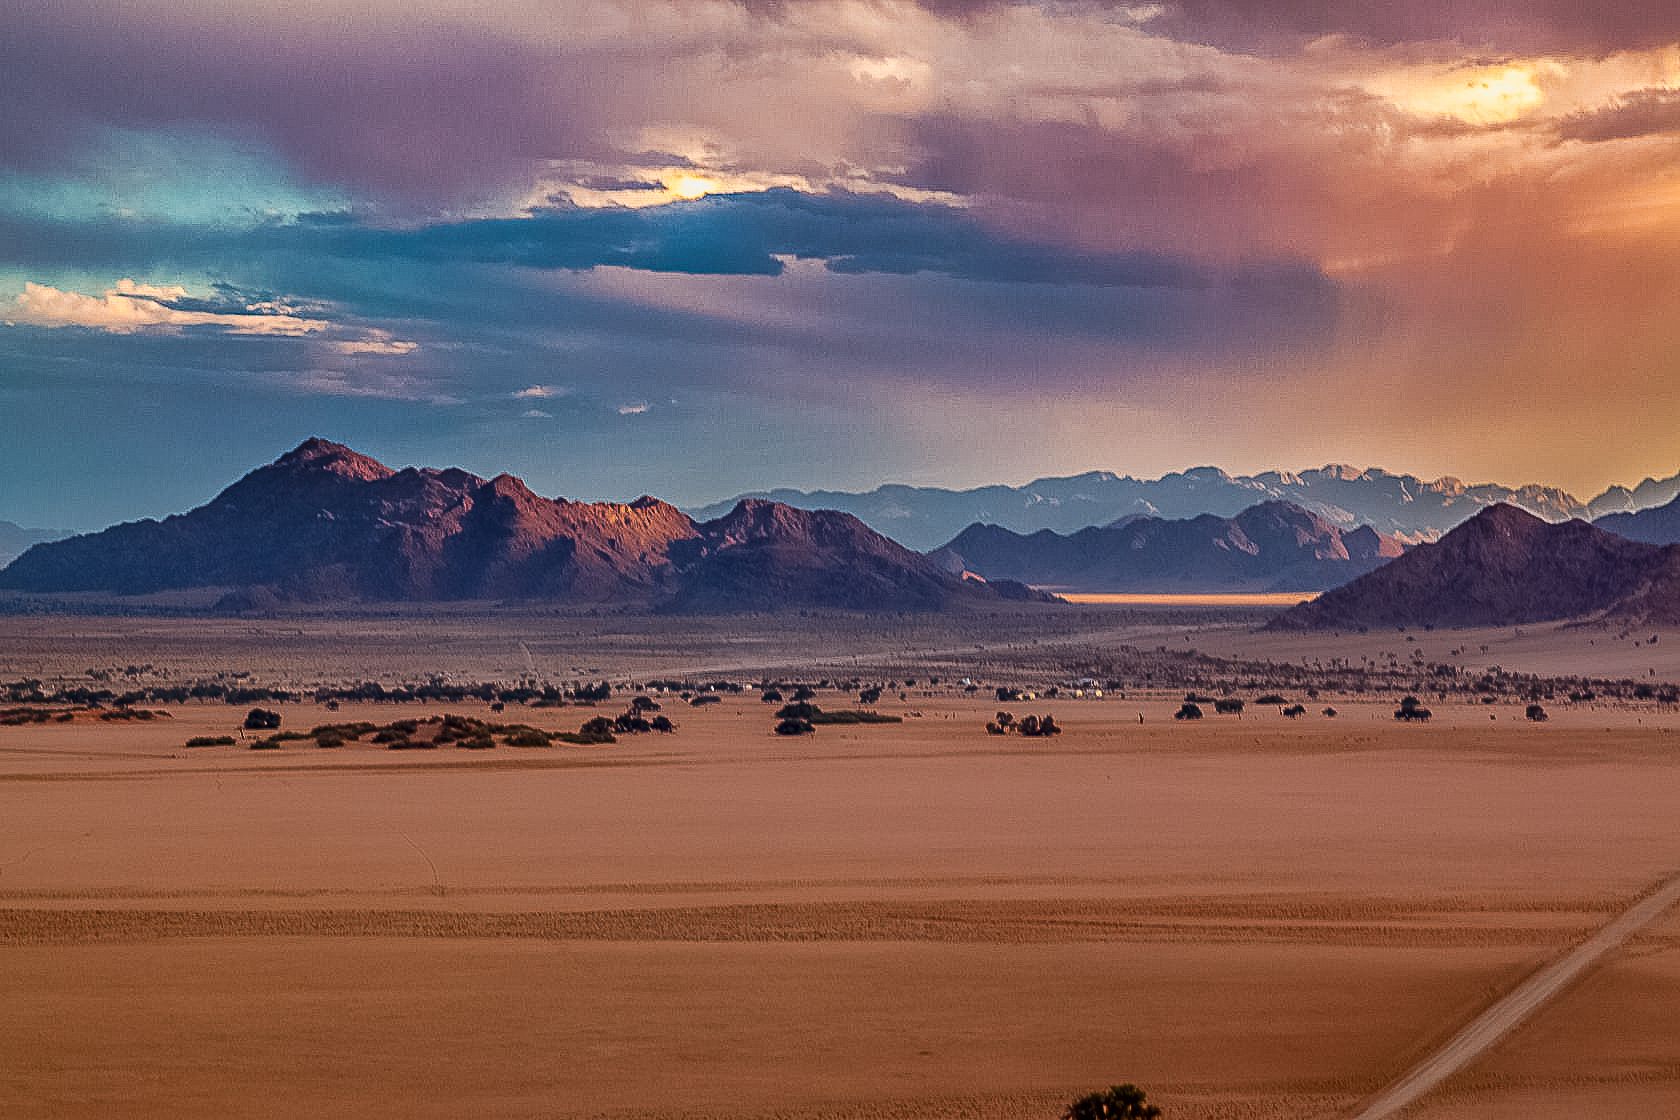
(1252, 917)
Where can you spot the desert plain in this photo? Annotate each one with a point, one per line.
(1251, 917)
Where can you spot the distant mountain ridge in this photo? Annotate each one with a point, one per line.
(1271, 546)
(1399, 505)
(1506, 567)
(324, 523)
(1658, 525)
(16, 540)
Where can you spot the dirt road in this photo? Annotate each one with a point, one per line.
(1528, 997)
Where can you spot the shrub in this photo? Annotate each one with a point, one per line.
(1118, 1102)
(261, 719)
(480, 742)
(210, 741)
(706, 698)
(1272, 698)
(595, 732)
(810, 713)
(1186, 711)
(854, 717)
(1229, 707)
(343, 730)
(795, 727)
(1295, 711)
(1537, 713)
(663, 724)
(771, 696)
(528, 737)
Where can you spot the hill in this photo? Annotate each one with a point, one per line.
(762, 554)
(324, 523)
(1270, 546)
(1506, 567)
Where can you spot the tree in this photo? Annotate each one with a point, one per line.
(1412, 711)
(1118, 1102)
(261, 719)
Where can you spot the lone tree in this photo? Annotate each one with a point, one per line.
(1118, 1102)
(261, 719)
(1412, 711)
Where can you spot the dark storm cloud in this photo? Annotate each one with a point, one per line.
(1561, 25)
(1645, 112)
(738, 234)
(1568, 26)
(415, 116)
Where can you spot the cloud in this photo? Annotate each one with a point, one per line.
(1569, 26)
(364, 384)
(540, 393)
(750, 234)
(378, 344)
(412, 114)
(536, 414)
(1637, 113)
(636, 409)
(131, 306)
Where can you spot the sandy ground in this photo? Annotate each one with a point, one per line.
(1252, 918)
(1549, 649)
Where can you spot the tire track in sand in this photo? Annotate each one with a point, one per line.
(1512, 1010)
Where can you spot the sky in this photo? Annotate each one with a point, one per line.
(696, 247)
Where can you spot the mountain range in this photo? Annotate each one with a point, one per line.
(1272, 546)
(1506, 567)
(324, 523)
(1399, 505)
